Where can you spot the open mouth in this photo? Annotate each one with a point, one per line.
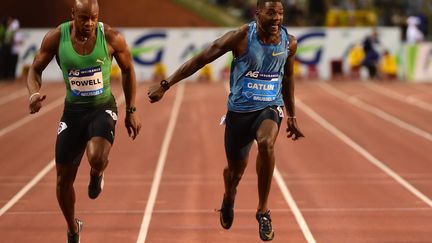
(274, 27)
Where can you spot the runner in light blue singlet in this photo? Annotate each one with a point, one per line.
(256, 76)
(261, 82)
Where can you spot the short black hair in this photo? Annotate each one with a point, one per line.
(261, 3)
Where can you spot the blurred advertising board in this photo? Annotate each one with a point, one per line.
(173, 46)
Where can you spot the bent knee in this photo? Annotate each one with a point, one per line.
(98, 159)
(63, 183)
(234, 173)
(266, 146)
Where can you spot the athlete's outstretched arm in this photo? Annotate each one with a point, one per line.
(123, 57)
(288, 91)
(46, 53)
(228, 42)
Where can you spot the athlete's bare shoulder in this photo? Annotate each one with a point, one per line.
(51, 40)
(54, 34)
(244, 28)
(292, 44)
(292, 38)
(110, 33)
(238, 39)
(114, 38)
(241, 32)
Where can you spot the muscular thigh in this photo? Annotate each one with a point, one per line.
(267, 123)
(71, 140)
(242, 128)
(102, 125)
(240, 131)
(75, 130)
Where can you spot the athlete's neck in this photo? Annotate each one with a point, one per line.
(267, 37)
(81, 37)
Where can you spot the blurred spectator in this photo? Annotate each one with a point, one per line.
(423, 25)
(388, 66)
(293, 14)
(16, 43)
(413, 32)
(206, 74)
(365, 4)
(220, 2)
(336, 12)
(2, 51)
(349, 5)
(7, 47)
(355, 57)
(249, 10)
(159, 72)
(372, 56)
(115, 73)
(297, 71)
(11, 43)
(336, 68)
(317, 10)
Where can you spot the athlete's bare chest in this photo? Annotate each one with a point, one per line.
(83, 46)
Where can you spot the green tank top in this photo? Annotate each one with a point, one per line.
(87, 77)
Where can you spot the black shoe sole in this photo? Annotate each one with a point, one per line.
(226, 209)
(77, 235)
(93, 194)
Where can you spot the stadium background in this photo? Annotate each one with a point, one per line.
(324, 29)
(362, 174)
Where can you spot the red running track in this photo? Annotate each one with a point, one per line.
(362, 174)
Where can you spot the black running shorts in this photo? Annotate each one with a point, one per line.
(77, 128)
(241, 129)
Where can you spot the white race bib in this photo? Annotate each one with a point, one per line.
(86, 82)
(260, 86)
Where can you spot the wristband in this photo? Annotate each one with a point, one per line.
(31, 96)
(131, 109)
(165, 85)
(291, 117)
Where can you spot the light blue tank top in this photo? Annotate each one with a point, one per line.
(256, 76)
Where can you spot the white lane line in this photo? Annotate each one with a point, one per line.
(160, 165)
(290, 201)
(27, 187)
(292, 204)
(324, 123)
(28, 118)
(238, 211)
(14, 95)
(395, 95)
(378, 112)
(35, 179)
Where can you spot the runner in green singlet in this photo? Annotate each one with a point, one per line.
(84, 49)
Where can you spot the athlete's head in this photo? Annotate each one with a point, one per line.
(85, 15)
(269, 15)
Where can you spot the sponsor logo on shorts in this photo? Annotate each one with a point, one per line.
(280, 110)
(112, 114)
(61, 128)
(223, 120)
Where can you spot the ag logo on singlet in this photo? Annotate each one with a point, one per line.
(74, 72)
(261, 86)
(252, 74)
